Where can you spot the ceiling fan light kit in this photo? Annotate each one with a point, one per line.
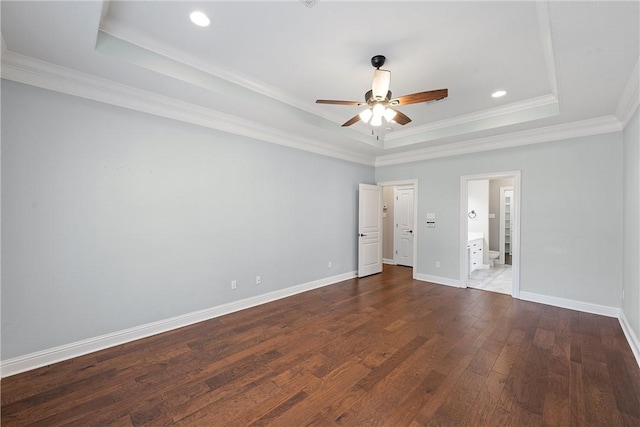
(378, 99)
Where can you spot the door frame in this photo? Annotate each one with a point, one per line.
(515, 240)
(413, 183)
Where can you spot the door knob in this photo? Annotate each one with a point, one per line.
(410, 231)
(362, 235)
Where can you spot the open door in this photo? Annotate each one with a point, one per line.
(369, 230)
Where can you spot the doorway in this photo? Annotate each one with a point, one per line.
(490, 231)
(399, 216)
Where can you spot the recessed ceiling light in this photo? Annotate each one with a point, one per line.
(200, 19)
(499, 93)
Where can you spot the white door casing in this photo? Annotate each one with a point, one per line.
(369, 230)
(403, 227)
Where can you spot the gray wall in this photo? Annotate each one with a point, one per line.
(631, 209)
(571, 214)
(113, 218)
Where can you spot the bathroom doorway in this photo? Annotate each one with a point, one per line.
(489, 232)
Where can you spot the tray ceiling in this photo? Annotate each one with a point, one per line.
(259, 67)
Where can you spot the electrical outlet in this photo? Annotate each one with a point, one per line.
(329, 266)
(234, 284)
(437, 264)
(258, 280)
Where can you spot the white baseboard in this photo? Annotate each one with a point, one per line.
(79, 348)
(388, 261)
(632, 338)
(437, 280)
(587, 307)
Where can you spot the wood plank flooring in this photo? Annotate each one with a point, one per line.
(383, 350)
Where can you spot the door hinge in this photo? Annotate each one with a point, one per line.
(396, 252)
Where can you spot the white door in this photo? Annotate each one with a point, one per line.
(369, 230)
(403, 230)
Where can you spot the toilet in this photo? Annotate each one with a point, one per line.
(493, 255)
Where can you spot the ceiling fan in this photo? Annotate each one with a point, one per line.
(379, 100)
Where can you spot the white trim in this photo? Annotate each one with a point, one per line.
(577, 129)
(630, 98)
(406, 182)
(633, 340)
(534, 108)
(31, 71)
(113, 29)
(388, 261)
(587, 307)
(57, 354)
(438, 280)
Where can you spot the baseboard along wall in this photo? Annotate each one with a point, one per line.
(68, 351)
(79, 348)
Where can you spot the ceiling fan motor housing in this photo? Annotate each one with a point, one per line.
(369, 99)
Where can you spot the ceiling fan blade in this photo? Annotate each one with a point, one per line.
(330, 101)
(380, 83)
(401, 118)
(415, 98)
(352, 120)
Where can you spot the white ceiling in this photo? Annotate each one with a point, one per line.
(259, 67)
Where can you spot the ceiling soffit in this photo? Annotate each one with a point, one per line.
(126, 42)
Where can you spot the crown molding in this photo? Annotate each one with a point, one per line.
(195, 75)
(589, 127)
(543, 106)
(34, 72)
(515, 112)
(110, 27)
(630, 97)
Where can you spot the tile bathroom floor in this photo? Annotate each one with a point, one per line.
(498, 278)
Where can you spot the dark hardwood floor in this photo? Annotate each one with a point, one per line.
(383, 350)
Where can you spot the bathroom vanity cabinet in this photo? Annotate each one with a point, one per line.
(475, 254)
